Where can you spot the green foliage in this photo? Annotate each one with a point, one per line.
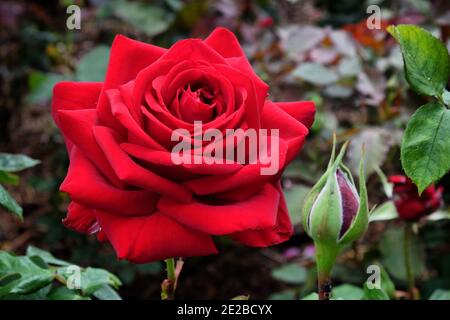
(386, 289)
(387, 285)
(9, 178)
(12, 163)
(294, 199)
(283, 295)
(10, 204)
(149, 19)
(425, 148)
(241, 297)
(39, 275)
(426, 59)
(16, 162)
(439, 215)
(62, 293)
(374, 294)
(291, 273)
(347, 292)
(20, 275)
(93, 279)
(385, 211)
(41, 86)
(440, 294)
(47, 257)
(393, 257)
(311, 296)
(92, 66)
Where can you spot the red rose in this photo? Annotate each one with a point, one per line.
(409, 204)
(122, 181)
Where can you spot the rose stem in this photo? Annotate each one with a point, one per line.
(168, 285)
(324, 284)
(407, 256)
(325, 259)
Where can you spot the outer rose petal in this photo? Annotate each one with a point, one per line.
(100, 194)
(224, 42)
(258, 212)
(127, 58)
(270, 236)
(193, 49)
(303, 111)
(74, 96)
(292, 131)
(154, 237)
(81, 219)
(77, 126)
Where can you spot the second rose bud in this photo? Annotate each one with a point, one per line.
(334, 215)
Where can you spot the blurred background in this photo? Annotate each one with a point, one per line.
(305, 50)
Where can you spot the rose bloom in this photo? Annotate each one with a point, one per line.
(410, 206)
(122, 181)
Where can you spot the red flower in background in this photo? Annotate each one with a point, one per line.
(122, 181)
(409, 204)
(266, 22)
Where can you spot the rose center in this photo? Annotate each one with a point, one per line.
(196, 104)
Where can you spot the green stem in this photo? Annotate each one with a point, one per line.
(325, 259)
(407, 256)
(324, 285)
(170, 268)
(168, 286)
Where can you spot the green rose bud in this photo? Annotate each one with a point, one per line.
(334, 213)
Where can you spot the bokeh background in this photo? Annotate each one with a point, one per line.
(305, 50)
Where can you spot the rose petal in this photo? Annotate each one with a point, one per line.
(292, 131)
(255, 97)
(122, 113)
(77, 126)
(83, 173)
(271, 236)
(143, 239)
(127, 58)
(164, 158)
(249, 174)
(302, 111)
(257, 212)
(80, 219)
(132, 173)
(225, 42)
(195, 50)
(74, 96)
